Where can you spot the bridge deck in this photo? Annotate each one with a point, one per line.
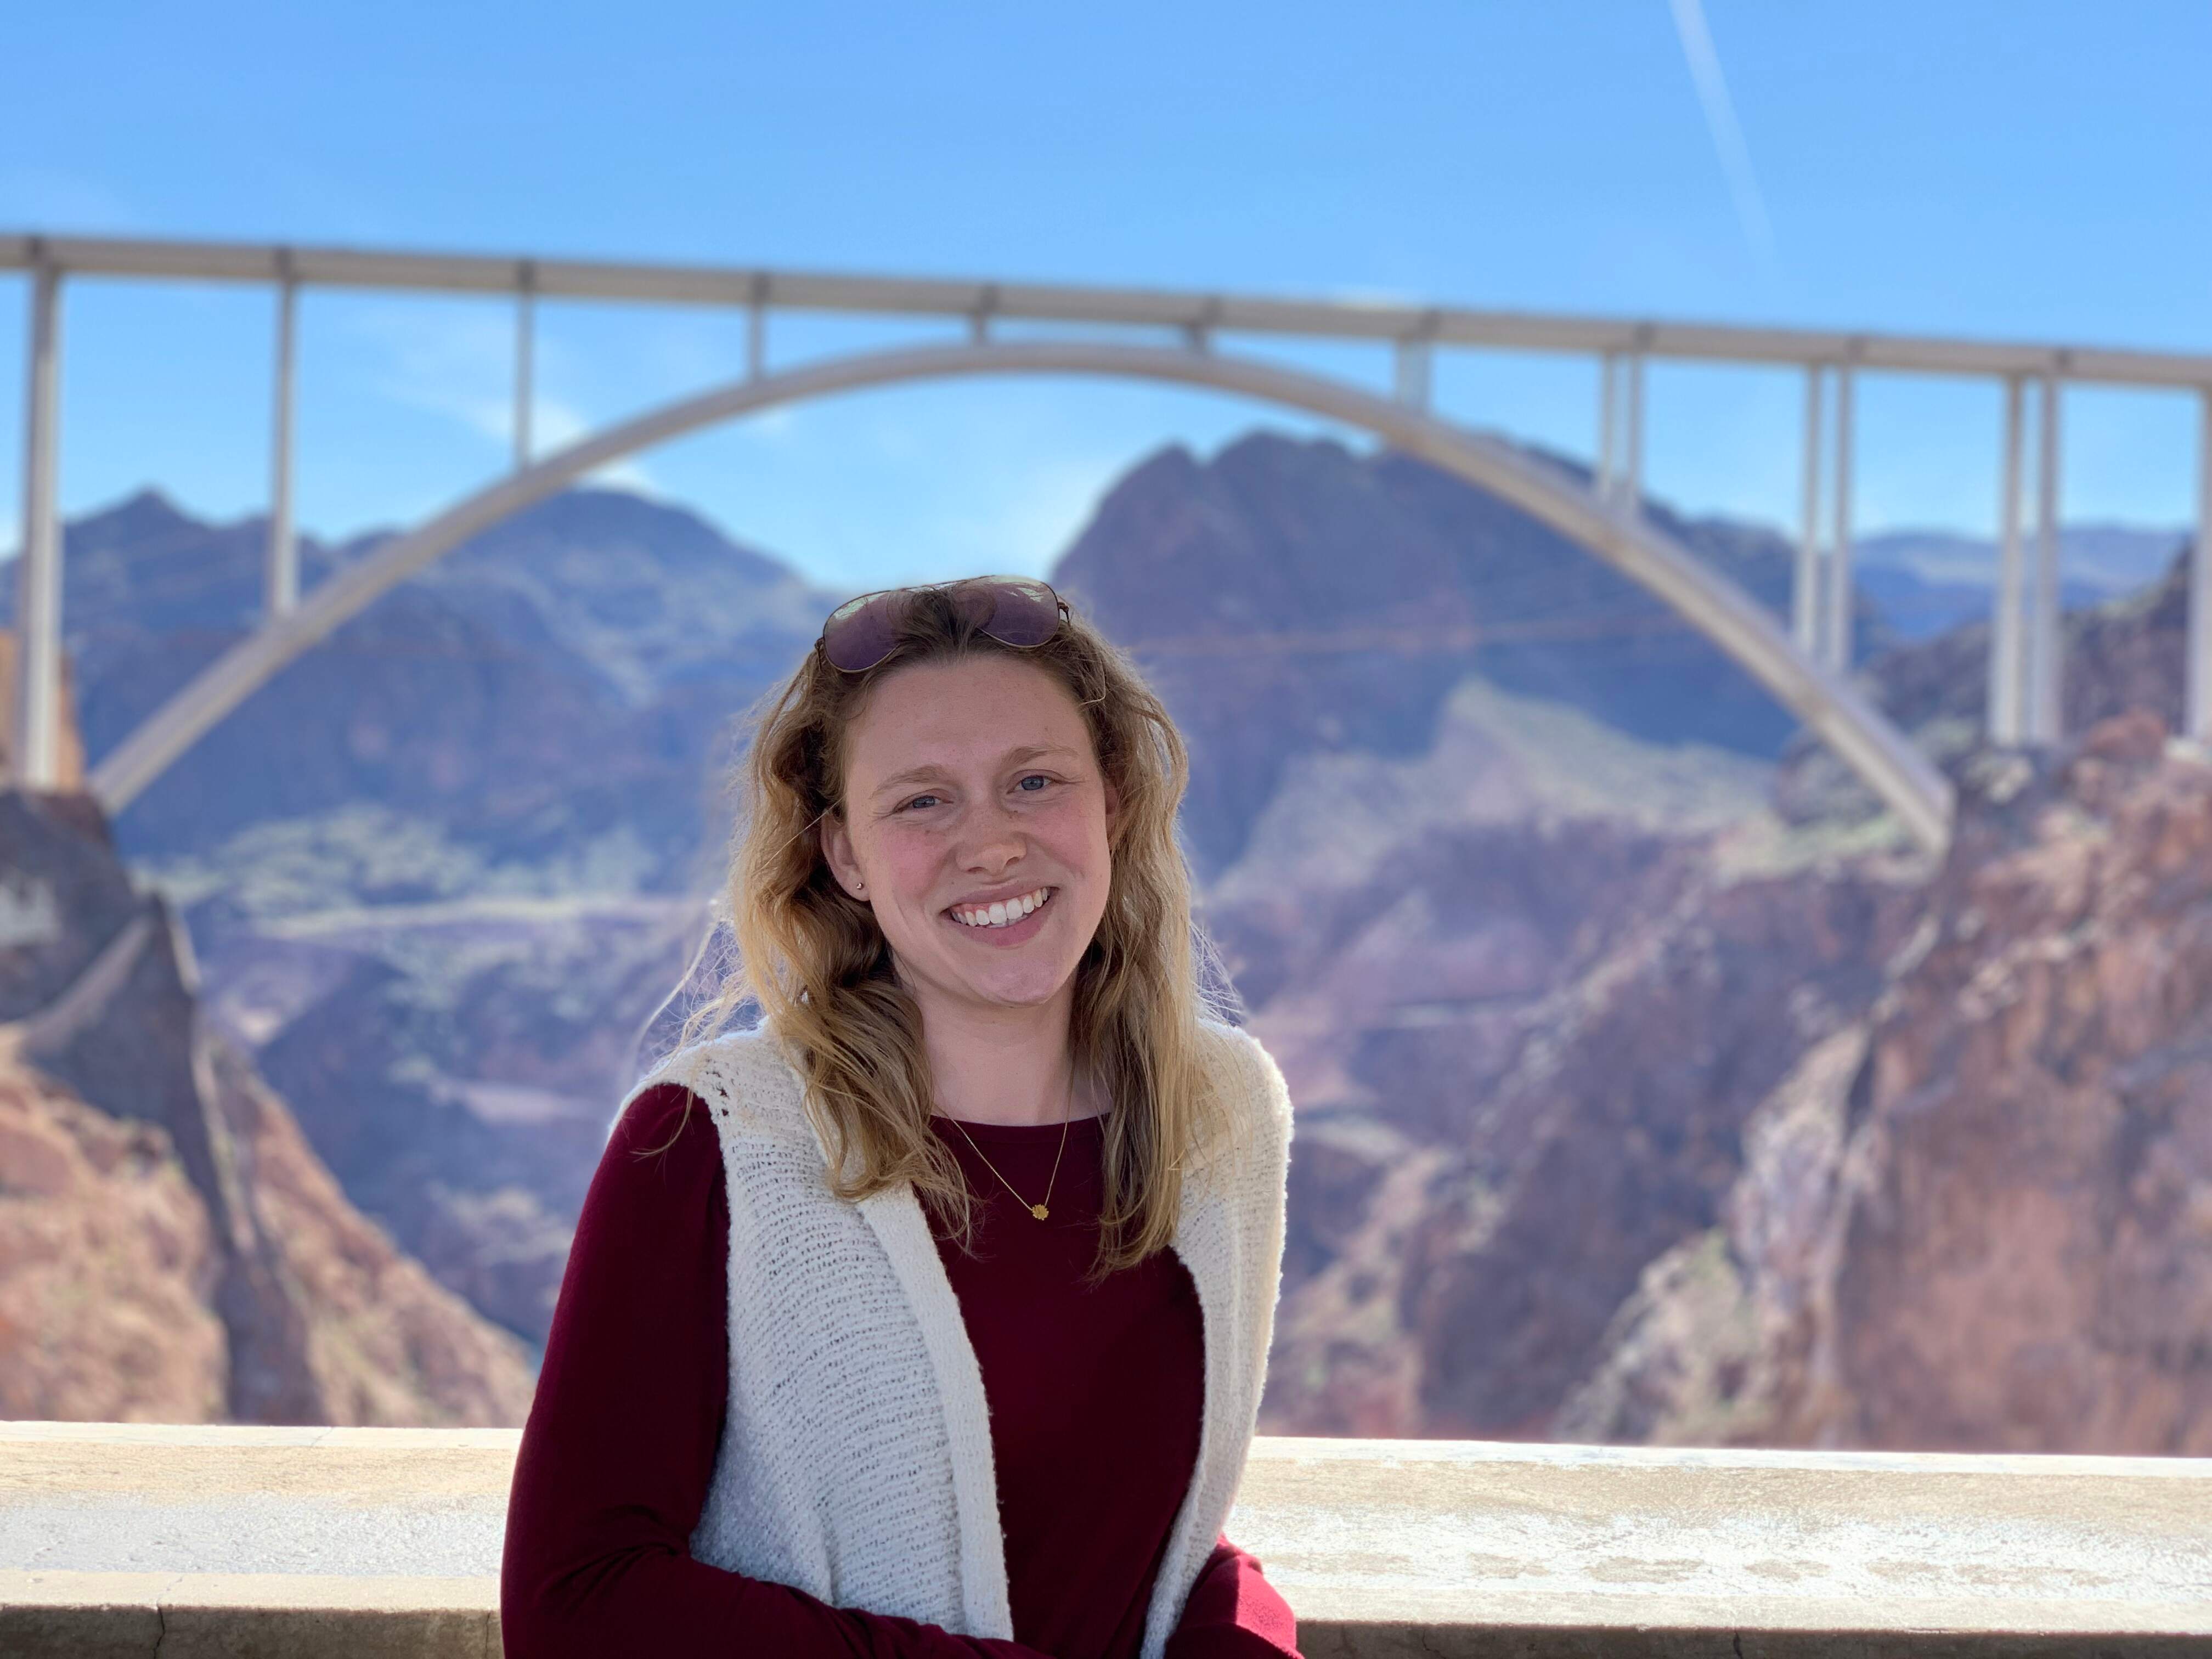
(970, 298)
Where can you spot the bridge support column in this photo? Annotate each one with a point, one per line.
(37, 736)
(526, 348)
(2045, 643)
(757, 328)
(1608, 418)
(2197, 712)
(2007, 657)
(1412, 375)
(281, 580)
(979, 320)
(1632, 485)
(1837, 653)
(1805, 590)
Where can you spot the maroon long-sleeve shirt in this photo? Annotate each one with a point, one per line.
(1096, 1393)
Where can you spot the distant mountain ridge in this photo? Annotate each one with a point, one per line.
(1926, 583)
(2104, 558)
(545, 715)
(564, 673)
(1292, 597)
(653, 596)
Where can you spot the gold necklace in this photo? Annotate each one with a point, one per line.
(1038, 1209)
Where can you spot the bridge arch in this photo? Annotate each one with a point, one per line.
(1860, 735)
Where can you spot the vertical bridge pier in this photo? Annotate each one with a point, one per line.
(36, 740)
(2198, 706)
(2007, 660)
(2046, 639)
(1805, 608)
(281, 585)
(525, 354)
(1838, 601)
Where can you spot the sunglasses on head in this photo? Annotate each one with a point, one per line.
(1014, 611)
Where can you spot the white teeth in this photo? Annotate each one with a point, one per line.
(1003, 912)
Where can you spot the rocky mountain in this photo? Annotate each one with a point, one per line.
(171, 1250)
(2123, 654)
(1928, 582)
(1578, 962)
(437, 872)
(546, 696)
(1294, 597)
(1523, 1036)
(1916, 607)
(1979, 1217)
(655, 598)
(2103, 560)
(460, 1062)
(434, 872)
(108, 1267)
(1943, 1121)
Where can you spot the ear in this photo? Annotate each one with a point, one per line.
(1113, 800)
(837, 851)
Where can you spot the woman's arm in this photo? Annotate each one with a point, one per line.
(1234, 1612)
(621, 1442)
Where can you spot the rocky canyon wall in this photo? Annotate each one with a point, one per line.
(1649, 1085)
(1980, 1216)
(171, 1248)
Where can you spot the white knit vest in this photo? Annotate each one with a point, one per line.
(855, 1461)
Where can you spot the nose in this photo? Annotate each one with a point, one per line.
(995, 841)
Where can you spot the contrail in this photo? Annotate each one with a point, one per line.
(1727, 137)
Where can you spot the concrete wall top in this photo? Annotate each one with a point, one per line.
(120, 1537)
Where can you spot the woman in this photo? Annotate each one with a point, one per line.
(928, 1319)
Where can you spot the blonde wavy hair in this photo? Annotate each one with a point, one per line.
(823, 974)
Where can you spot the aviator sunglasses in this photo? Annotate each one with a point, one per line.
(1014, 611)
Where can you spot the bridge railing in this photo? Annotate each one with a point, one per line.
(121, 1538)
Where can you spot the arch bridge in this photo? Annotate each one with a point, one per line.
(1172, 337)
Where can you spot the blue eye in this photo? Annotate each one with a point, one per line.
(1037, 778)
(919, 800)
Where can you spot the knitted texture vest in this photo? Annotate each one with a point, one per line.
(855, 1461)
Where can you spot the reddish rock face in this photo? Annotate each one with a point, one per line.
(106, 1268)
(1983, 1219)
(2027, 1263)
(1945, 1127)
(1476, 1286)
(542, 714)
(368, 1335)
(170, 1247)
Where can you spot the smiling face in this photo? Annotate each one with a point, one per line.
(975, 826)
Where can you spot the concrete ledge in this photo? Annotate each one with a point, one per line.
(117, 1538)
(1457, 1547)
(203, 1615)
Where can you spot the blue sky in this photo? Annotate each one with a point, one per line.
(2022, 170)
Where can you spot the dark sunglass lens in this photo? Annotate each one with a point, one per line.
(1026, 614)
(860, 633)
